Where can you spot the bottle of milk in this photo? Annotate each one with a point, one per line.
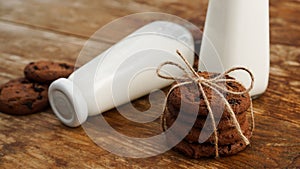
(236, 33)
(124, 72)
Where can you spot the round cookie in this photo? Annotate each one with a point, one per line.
(224, 123)
(195, 150)
(192, 99)
(22, 97)
(47, 71)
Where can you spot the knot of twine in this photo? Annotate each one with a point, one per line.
(212, 83)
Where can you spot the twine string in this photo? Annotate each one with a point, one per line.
(212, 83)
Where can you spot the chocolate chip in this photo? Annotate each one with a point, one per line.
(229, 147)
(63, 65)
(230, 84)
(28, 104)
(234, 101)
(35, 67)
(39, 97)
(38, 89)
(24, 81)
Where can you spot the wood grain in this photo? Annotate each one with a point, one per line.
(79, 18)
(33, 30)
(284, 22)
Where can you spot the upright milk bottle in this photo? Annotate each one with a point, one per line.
(236, 33)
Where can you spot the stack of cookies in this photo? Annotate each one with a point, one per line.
(29, 94)
(187, 99)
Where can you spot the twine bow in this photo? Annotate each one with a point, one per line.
(211, 83)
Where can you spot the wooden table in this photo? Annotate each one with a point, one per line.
(56, 30)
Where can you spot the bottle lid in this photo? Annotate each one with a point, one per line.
(67, 102)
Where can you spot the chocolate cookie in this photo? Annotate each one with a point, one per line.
(47, 71)
(189, 98)
(21, 97)
(196, 150)
(227, 136)
(224, 123)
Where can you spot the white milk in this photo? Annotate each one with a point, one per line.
(123, 73)
(236, 33)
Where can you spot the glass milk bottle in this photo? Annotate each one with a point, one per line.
(236, 33)
(122, 73)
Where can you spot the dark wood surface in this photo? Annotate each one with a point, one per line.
(33, 30)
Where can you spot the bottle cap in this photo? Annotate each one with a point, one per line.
(67, 102)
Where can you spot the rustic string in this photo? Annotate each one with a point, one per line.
(212, 83)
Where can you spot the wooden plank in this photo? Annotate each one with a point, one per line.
(284, 85)
(285, 25)
(79, 18)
